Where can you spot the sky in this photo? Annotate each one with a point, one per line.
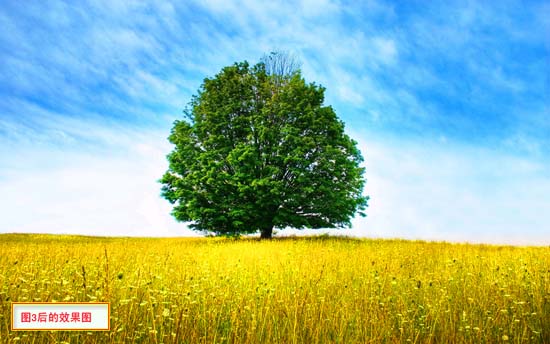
(449, 102)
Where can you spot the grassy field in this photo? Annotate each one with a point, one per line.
(302, 290)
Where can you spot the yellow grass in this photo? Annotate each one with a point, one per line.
(307, 290)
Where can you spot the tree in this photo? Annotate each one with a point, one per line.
(259, 150)
(280, 65)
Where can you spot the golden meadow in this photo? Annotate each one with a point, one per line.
(297, 290)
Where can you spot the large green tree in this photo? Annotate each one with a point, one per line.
(259, 150)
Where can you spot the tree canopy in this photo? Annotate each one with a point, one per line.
(259, 150)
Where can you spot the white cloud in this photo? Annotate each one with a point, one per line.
(93, 193)
(385, 49)
(436, 191)
(347, 94)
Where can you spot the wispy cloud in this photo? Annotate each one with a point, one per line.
(83, 192)
(422, 190)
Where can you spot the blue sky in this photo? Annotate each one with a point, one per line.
(449, 102)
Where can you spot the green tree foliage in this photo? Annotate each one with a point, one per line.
(259, 150)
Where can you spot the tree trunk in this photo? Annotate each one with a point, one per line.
(266, 232)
